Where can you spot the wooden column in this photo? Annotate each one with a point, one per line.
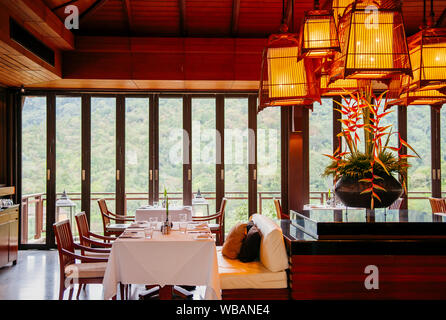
(153, 149)
(220, 152)
(436, 151)
(51, 170)
(402, 129)
(86, 155)
(298, 159)
(284, 128)
(120, 155)
(337, 125)
(187, 150)
(252, 154)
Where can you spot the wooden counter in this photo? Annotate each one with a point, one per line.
(327, 263)
(9, 235)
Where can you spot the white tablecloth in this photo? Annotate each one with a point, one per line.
(160, 213)
(174, 259)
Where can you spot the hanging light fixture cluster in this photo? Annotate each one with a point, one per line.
(347, 47)
(428, 56)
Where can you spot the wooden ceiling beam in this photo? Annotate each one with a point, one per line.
(64, 5)
(92, 9)
(183, 21)
(289, 15)
(128, 13)
(235, 17)
(441, 18)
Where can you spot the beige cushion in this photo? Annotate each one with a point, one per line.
(235, 274)
(272, 246)
(96, 254)
(234, 240)
(86, 270)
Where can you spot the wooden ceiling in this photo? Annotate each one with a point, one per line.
(156, 44)
(205, 18)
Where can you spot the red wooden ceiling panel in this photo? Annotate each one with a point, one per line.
(257, 18)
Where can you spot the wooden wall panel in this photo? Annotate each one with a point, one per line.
(343, 276)
(3, 137)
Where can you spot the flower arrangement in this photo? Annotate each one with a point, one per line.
(363, 111)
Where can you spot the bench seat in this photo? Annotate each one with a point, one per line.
(235, 274)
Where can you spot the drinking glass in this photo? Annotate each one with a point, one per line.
(183, 217)
(183, 227)
(148, 232)
(153, 222)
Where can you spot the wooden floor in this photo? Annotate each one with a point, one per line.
(36, 277)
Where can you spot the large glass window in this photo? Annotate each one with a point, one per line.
(68, 156)
(321, 131)
(136, 153)
(34, 174)
(268, 160)
(171, 148)
(103, 157)
(236, 161)
(203, 154)
(419, 174)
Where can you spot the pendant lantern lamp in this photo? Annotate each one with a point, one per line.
(319, 35)
(338, 87)
(284, 80)
(428, 57)
(420, 97)
(338, 7)
(373, 42)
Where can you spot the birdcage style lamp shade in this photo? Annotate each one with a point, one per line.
(428, 57)
(338, 87)
(338, 7)
(319, 35)
(373, 43)
(284, 80)
(420, 97)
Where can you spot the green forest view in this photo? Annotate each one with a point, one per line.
(204, 141)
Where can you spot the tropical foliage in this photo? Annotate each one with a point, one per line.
(363, 111)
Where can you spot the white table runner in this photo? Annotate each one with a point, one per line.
(174, 259)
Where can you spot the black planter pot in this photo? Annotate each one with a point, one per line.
(348, 190)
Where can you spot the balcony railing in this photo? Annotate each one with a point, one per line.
(33, 207)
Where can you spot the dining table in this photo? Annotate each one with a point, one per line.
(147, 212)
(165, 260)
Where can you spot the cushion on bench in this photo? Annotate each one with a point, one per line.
(235, 274)
(272, 246)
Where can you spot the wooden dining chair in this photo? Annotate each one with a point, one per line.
(89, 270)
(217, 227)
(88, 238)
(438, 205)
(108, 217)
(279, 212)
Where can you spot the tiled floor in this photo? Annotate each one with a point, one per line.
(36, 277)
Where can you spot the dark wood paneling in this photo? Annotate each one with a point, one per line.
(298, 160)
(187, 150)
(120, 155)
(337, 125)
(154, 147)
(402, 129)
(285, 124)
(51, 169)
(435, 152)
(3, 137)
(252, 154)
(86, 154)
(220, 152)
(343, 277)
